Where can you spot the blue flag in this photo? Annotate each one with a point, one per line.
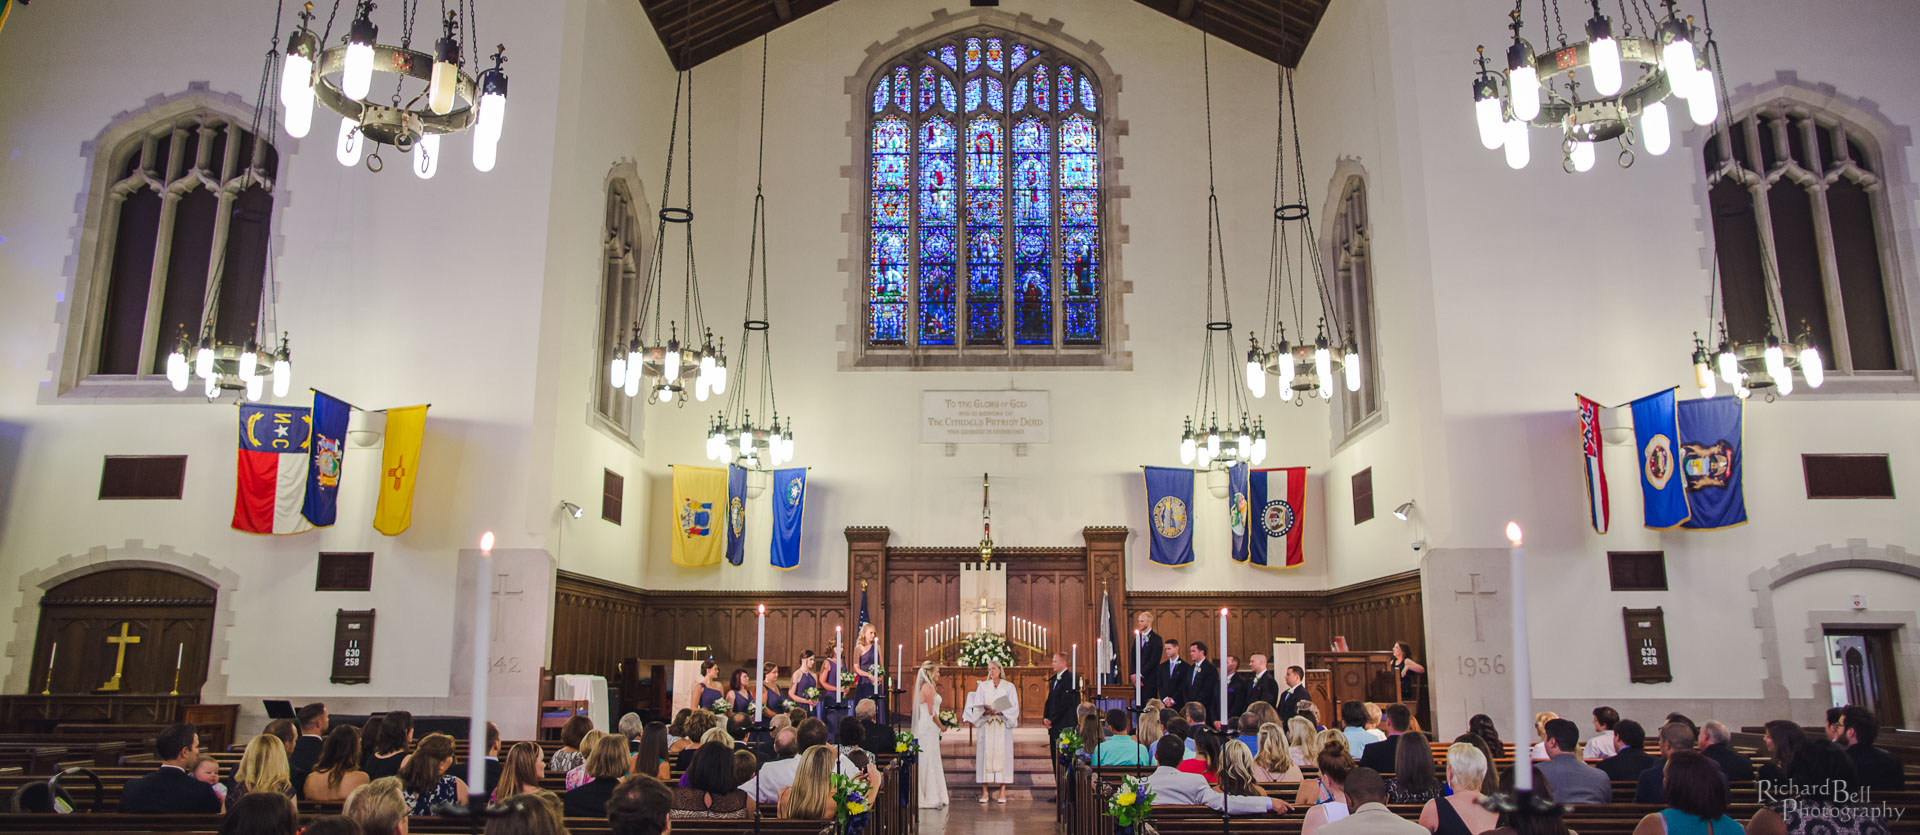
(323, 473)
(863, 606)
(1169, 514)
(1710, 461)
(1656, 431)
(736, 514)
(789, 504)
(1237, 507)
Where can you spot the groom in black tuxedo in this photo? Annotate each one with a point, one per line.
(1063, 699)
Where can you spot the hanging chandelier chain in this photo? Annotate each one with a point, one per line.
(327, 33)
(652, 298)
(1274, 248)
(1557, 24)
(472, 25)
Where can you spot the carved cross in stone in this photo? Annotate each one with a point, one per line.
(507, 595)
(1474, 593)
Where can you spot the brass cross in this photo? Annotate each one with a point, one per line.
(120, 661)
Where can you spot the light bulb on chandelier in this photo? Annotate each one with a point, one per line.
(357, 73)
(1603, 53)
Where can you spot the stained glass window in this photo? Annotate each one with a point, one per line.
(985, 227)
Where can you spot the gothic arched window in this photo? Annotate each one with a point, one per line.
(621, 255)
(1353, 299)
(985, 222)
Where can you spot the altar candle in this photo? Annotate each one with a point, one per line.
(899, 657)
(1075, 666)
(1522, 676)
(1138, 676)
(179, 657)
(1223, 654)
(482, 631)
(760, 667)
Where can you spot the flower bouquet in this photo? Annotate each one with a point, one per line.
(947, 720)
(879, 672)
(1069, 746)
(721, 706)
(904, 742)
(846, 679)
(984, 646)
(1131, 805)
(851, 799)
(812, 693)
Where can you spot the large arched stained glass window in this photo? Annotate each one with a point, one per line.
(985, 225)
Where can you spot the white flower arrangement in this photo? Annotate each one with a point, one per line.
(984, 646)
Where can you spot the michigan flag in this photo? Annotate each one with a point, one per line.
(399, 465)
(736, 514)
(1656, 432)
(789, 508)
(1279, 499)
(699, 515)
(1170, 514)
(1711, 462)
(270, 483)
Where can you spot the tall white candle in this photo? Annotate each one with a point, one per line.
(1138, 674)
(760, 667)
(1223, 654)
(1522, 674)
(482, 634)
(179, 657)
(899, 658)
(1075, 667)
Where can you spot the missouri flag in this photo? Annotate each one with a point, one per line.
(699, 515)
(399, 464)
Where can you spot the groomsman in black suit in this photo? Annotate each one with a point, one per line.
(1063, 700)
(1147, 652)
(1167, 680)
(1264, 688)
(1295, 693)
(1239, 688)
(1202, 680)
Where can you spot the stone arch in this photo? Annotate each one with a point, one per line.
(1855, 554)
(134, 554)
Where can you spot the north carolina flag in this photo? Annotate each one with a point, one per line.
(699, 515)
(270, 483)
(1279, 500)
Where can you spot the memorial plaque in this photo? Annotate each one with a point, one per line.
(984, 417)
(1646, 645)
(352, 647)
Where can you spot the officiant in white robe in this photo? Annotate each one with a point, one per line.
(994, 710)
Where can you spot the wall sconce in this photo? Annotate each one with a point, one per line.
(1403, 512)
(571, 509)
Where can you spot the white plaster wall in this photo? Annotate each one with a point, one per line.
(1831, 591)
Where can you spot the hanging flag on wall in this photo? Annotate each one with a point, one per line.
(270, 482)
(1710, 461)
(1107, 658)
(1238, 516)
(863, 621)
(399, 465)
(1656, 431)
(1169, 514)
(1279, 501)
(789, 505)
(699, 516)
(1597, 510)
(329, 448)
(736, 514)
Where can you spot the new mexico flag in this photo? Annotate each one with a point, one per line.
(399, 464)
(699, 515)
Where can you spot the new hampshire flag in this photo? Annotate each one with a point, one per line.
(1170, 514)
(1279, 500)
(1656, 431)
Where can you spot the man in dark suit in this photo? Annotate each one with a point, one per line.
(1202, 681)
(1239, 690)
(1264, 688)
(1063, 699)
(1675, 736)
(306, 750)
(1147, 652)
(1714, 740)
(1394, 719)
(876, 737)
(1872, 767)
(1167, 678)
(494, 766)
(170, 790)
(1296, 692)
(1632, 757)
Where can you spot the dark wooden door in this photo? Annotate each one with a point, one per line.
(170, 614)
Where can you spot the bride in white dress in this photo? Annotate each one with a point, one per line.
(993, 731)
(930, 775)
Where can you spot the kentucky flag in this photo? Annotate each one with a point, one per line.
(270, 482)
(699, 502)
(323, 471)
(789, 505)
(736, 515)
(1237, 509)
(1279, 499)
(1710, 461)
(1169, 511)
(1656, 431)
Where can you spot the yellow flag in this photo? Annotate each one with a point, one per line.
(399, 463)
(699, 514)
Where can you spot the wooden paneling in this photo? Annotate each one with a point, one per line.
(1372, 615)
(1277, 30)
(171, 614)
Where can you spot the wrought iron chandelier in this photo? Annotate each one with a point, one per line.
(733, 435)
(449, 100)
(1307, 367)
(246, 367)
(659, 362)
(1668, 65)
(1201, 439)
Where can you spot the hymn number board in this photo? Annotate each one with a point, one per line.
(1646, 645)
(352, 647)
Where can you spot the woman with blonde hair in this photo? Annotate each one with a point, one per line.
(520, 771)
(1540, 721)
(1150, 730)
(930, 772)
(1461, 813)
(607, 764)
(577, 775)
(811, 795)
(1373, 721)
(378, 807)
(1238, 793)
(263, 768)
(1303, 745)
(1274, 764)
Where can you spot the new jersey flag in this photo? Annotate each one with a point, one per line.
(736, 514)
(1597, 511)
(1656, 432)
(323, 468)
(270, 484)
(1279, 499)
(789, 507)
(1710, 461)
(399, 466)
(699, 515)
(1237, 515)
(1169, 514)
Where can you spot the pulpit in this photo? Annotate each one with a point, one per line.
(1350, 677)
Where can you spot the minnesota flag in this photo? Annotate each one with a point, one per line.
(399, 464)
(699, 515)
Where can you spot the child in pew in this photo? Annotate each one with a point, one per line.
(207, 770)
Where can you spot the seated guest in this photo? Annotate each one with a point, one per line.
(1249, 726)
(695, 729)
(337, 772)
(631, 726)
(1816, 770)
(1784, 740)
(1173, 784)
(577, 775)
(390, 748)
(777, 773)
(745, 765)
(1239, 793)
(1311, 712)
(711, 788)
(424, 781)
(1381, 756)
(1414, 781)
(1334, 765)
(1301, 745)
(520, 772)
(1206, 756)
(1836, 729)
(1573, 781)
(848, 740)
(262, 813)
(875, 737)
(1696, 799)
(284, 730)
(313, 730)
(573, 735)
(1150, 732)
(207, 770)
(1540, 721)
(1177, 727)
(607, 765)
(639, 806)
(263, 768)
(1490, 781)
(1674, 738)
(650, 756)
(1551, 821)
(1353, 725)
(524, 814)
(1373, 720)
(1275, 762)
(677, 729)
(1119, 748)
(331, 825)
(492, 770)
(378, 807)
(1093, 731)
(810, 797)
(1481, 725)
(1601, 745)
(1714, 740)
(1630, 741)
(369, 733)
(1874, 768)
(1682, 719)
(170, 789)
(1460, 813)
(1367, 795)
